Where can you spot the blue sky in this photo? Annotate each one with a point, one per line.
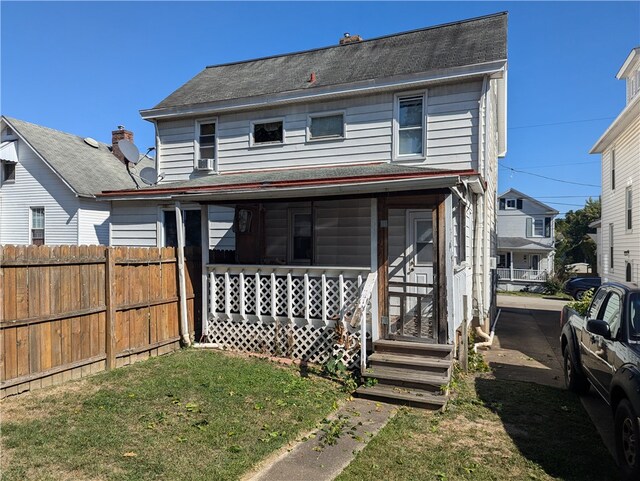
(85, 67)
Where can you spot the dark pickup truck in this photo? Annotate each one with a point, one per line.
(602, 349)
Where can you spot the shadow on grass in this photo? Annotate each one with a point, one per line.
(550, 427)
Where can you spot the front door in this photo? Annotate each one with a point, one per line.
(413, 303)
(535, 262)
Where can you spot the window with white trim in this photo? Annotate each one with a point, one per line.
(205, 144)
(327, 126)
(510, 204)
(37, 226)
(267, 132)
(410, 126)
(300, 236)
(8, 172)
(629, 208)
(539, 227)
(613, 170)
(611, 247)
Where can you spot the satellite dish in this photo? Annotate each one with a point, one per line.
(129, 150)
(149, 176)
(92, 142)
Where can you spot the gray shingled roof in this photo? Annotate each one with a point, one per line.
(468, 42)
(86, 169)
(518, 243)
(293, 176)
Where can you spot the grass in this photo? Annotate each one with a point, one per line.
(493, 430)
(193, 415)
(558, 295)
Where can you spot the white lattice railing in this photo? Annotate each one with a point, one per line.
(299, 311)
(522, 274)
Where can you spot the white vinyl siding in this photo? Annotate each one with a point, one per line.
(38, 186)
(614, 206)
(451, 132)
(134, 224)
(93, 222)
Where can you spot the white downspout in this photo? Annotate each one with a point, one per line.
(184, 324)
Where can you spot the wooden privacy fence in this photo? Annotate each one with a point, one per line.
(70, 311)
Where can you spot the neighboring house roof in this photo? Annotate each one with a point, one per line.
(520, 243)
(596, 224)
(263, 183)
(86, 170)
(550, 210)
(469, 42)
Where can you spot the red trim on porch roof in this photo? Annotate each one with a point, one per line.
(289, 183)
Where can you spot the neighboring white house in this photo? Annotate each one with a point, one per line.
(48, 185)
(315, 175)
(526, 233)
(620, 148)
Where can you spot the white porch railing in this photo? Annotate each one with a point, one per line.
(300, 311)
(504, 273)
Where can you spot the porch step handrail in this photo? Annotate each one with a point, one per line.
(360, 315)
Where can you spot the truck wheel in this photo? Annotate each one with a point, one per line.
(573, 379)
(579, 295)
(627, 433)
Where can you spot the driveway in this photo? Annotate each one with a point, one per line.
(526, 347)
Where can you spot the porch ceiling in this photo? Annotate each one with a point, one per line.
(311, 182)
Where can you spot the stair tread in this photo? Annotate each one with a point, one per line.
(411, 395)
(420, 346)
(410, 359)
(408, 375)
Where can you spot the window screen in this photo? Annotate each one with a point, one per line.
(327, 127)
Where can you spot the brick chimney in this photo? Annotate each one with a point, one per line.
(348, 38)
(116, 136)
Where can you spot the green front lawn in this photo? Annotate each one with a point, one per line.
(493, 430)
(192, 415)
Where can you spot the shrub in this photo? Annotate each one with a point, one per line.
(582, 306)
(553, 285)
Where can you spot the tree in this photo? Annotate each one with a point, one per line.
(573, 244)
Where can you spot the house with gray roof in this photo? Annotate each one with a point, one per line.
(49, 185)
(526, 239)
(344, 197)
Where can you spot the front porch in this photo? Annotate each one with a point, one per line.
(524, 269)
(314, 309)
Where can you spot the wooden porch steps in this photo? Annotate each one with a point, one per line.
(409, 373)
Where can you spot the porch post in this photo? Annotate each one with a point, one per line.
(375, 328)
(511, 265)
(383, 266)
(441, 260)
(204, 246)
(182, 287)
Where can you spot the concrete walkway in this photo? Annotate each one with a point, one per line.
(315, 458)
(526, 347)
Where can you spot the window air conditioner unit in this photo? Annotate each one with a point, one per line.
(205, 164)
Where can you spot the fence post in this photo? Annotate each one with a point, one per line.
(110, 271)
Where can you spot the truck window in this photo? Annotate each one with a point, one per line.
(594, 309)
(634, 316)
(611, 313)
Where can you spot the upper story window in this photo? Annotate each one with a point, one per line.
(329, 126)
(629, 208)
(613, 170)
(8, 172)
(267, 132)
(510, 204)
(37, 226)
(633, 85)
(410, 126)
(539, 227)
(205, 148)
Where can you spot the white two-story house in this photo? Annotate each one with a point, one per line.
(360, 175)
(619, 245)
(526, 233)
(48, 185)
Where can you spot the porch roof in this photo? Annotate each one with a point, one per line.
(313, 182)
(521, 244)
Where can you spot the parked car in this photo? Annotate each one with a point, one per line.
(577, 286)
(602, 349)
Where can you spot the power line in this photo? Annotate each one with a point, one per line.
(544, 166)
(560, 123)
(548, 178)
(565, 196)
